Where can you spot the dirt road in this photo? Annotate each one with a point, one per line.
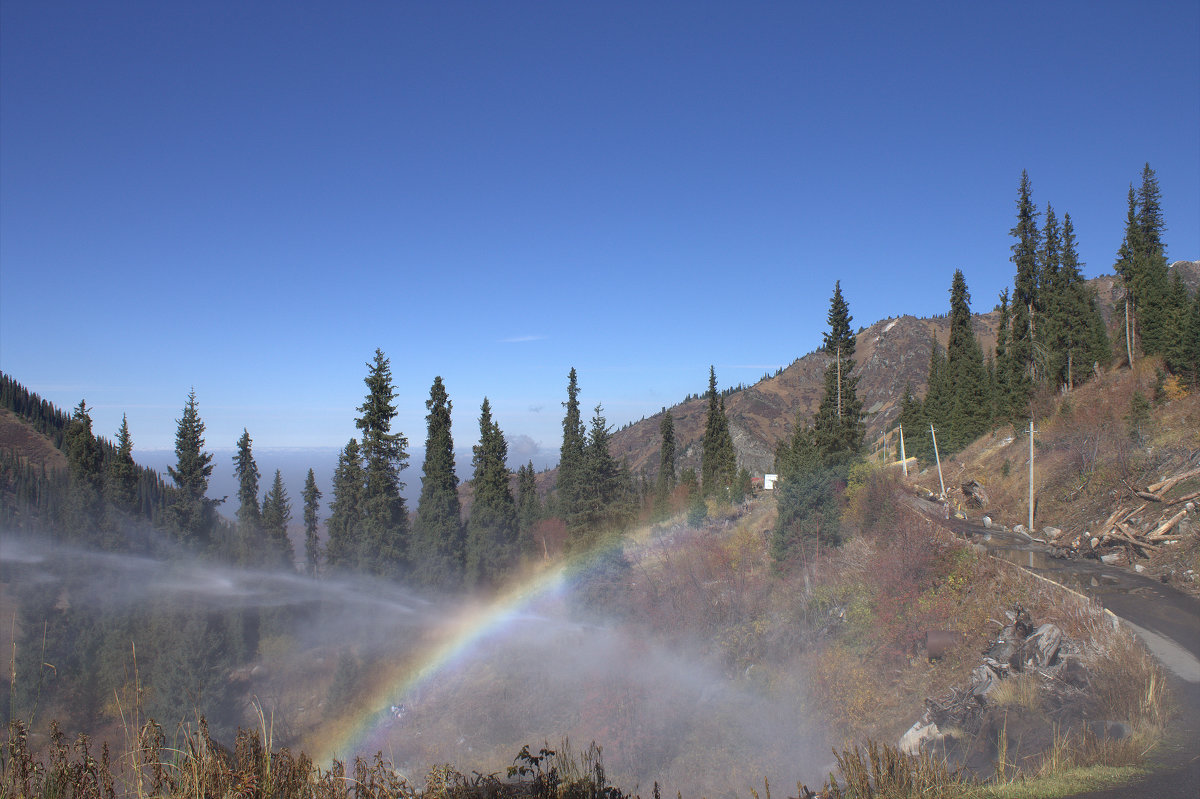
(1164, 619)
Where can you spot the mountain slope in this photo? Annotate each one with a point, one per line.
(890, 353)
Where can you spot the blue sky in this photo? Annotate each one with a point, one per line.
(249, 198)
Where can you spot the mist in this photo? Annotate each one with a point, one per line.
(354, 667)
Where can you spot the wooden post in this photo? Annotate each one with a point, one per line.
(1031, 476)
(938, 458)
(903, 459)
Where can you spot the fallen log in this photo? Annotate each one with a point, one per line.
(1166, 485)
(1162, 529)
(1147, 495)
(1184, 498)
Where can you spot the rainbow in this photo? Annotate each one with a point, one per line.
(453, 646)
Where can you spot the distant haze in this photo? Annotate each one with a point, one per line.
(294, 463)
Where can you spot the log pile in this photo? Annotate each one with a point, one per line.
(1138, 528)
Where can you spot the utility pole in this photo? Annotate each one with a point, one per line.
(1031, 476)
(903, 459)
(938, 458)
(839, 381)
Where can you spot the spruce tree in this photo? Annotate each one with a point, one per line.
(191, 514)
(384, 516)
(838, 425)
(1151, 288)
(1076, 339)
(915, 427)
(344, 550)
(570, 462)
(968, 414)
(85, 466)
(666, 463)
(122, 478)
(492, 525)
(312, 540)
(1002, 364)
(249, 516)
(718, 460)
(603, 487)
(439, 538)
(276, 514)
(1190, 368)
(1022, 336)
(529, 507)
(1128, 268)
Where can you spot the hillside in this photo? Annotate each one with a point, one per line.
(890, 353)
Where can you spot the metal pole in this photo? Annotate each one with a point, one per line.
(938, 458)
(903, 459)
(1031, 476)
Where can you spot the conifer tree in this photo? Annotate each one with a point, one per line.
(121, 482)
(1151, 289)
(718, 460)
(384, 516)
(191, 514)
(439, 538)
(492, 525)
(939, 394)
(1190, 362)
(915, 426)
(85, 466)
(1002, 364)
(1128, 267)
(603, 487)
(249, 516)
(666, 463)
(1025, 307)
(529, 507)
(570, 462)
(968, 414)
(838, 425)
(312, 540)
(276, 514)
(344, 549)
(1075, 338)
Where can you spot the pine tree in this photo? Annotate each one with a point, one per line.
(968, 414)
(384, 517)
(666, 463)
(312, 540)
(718, 460)
(191, 514)
(249, 516)
(1025, 304)
(570, 462)
(344, 550)
(439, 538)
(121, 482)
(276, 513)
(914, 425)
(492, 525)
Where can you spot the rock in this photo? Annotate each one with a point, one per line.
(1051, 532)
(987, 522)
(975, 494)
(983, 682)
(1041, 648)
(1112, 558)
(1139, 568)
(1019, 528)
(918, 734)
